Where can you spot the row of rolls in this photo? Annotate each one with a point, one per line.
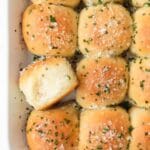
(102, 31)
(75, 3)
(67, 127)
(100, 82)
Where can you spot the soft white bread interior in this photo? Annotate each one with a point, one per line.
(139, 116)
(47, 81)
(54, 129)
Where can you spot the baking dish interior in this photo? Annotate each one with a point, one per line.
(18, 58)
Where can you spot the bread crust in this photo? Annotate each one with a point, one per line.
(55, 128)
(139, 116)
(71, 3)
(46, 82)
(104, 30)
(50, 30)
(103, 82)
(139, 3)
(104, 128)
(95, 2)
(139, 85)
(141, 39)
(140, 138)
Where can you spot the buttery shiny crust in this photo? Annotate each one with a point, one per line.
(95, 2)
(50, 29)
(139, 116)
(47, 81)
(104, 30)
(139, 3)
(140, 138)
(71, 3)
(103, 81)
(53, 129)
(139, 86)
(141, 39)
(104, 129)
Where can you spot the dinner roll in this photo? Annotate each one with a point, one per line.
(140, 138)
(95, 2)
(105, 129)
(54, 129)
(139, 3)
(103, 81)
(104, 30)
(141, 39)
(71, 3)
(139, 116)
(139, 87)
(50, 29)
(45, 82)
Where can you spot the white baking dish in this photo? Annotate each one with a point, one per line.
(13, 56)
(3, 76)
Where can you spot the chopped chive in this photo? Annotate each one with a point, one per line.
(52, 19)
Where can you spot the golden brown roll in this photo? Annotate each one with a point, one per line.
(104, 129)
(95, 2)
(104, 30)
(139, 3)
(50, 29)
(53, 129)
(139, 116)
(71, 3)
(140, 138)
(47, 81)
(103, 81)
(139, 87)
(141, 39)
